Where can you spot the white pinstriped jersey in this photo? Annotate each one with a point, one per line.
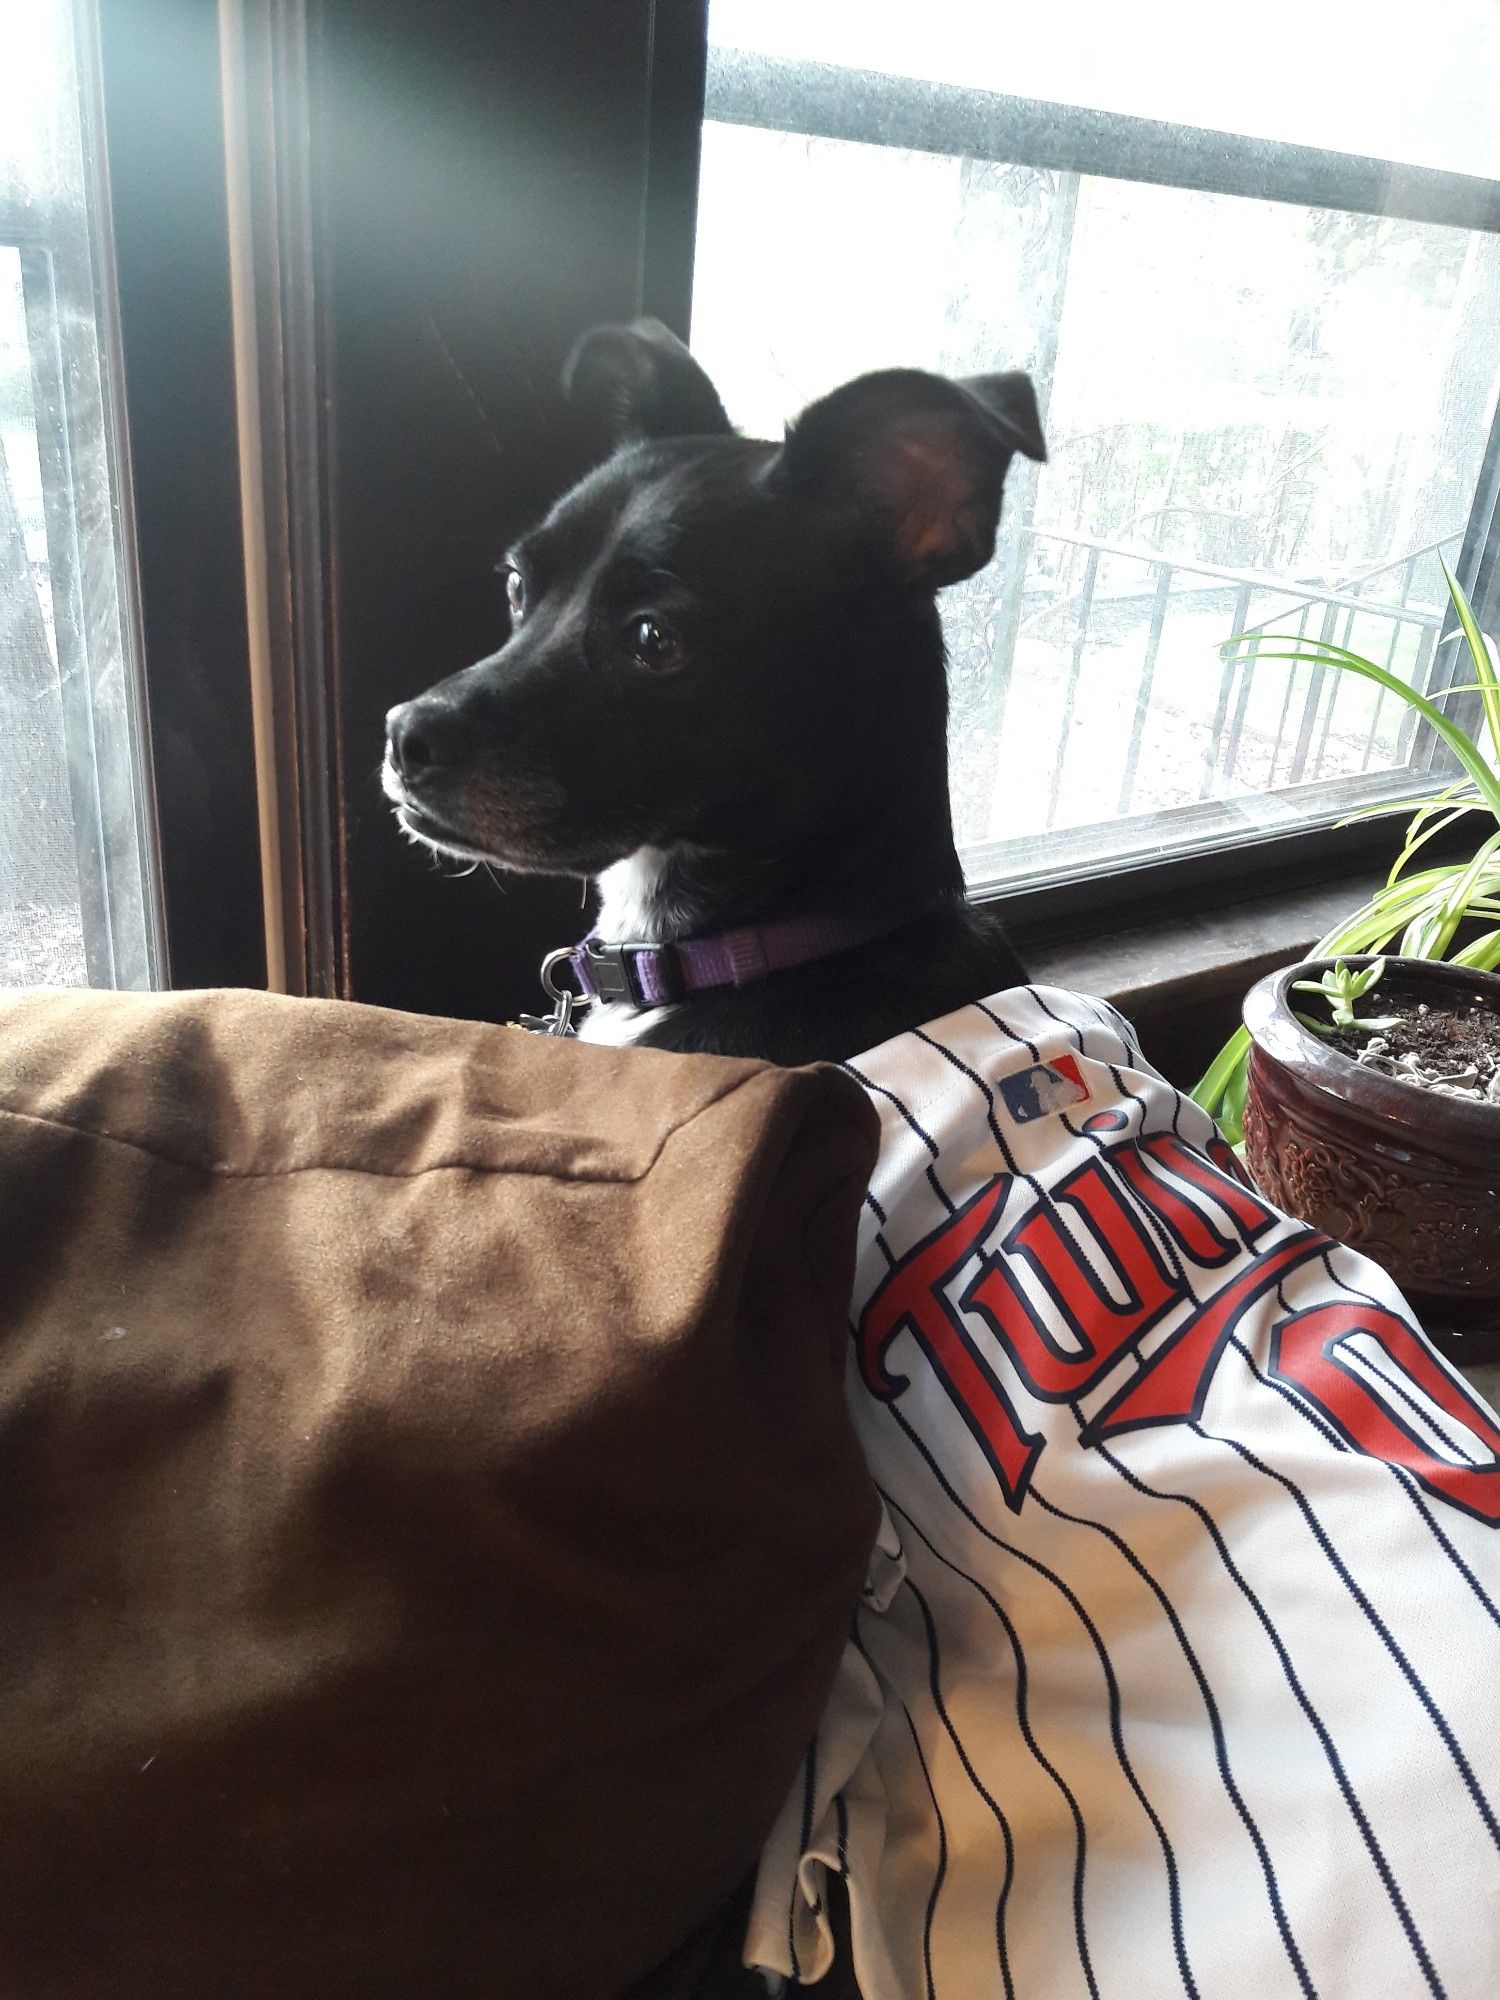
(1178, 1665)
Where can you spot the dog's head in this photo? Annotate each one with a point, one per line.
(711, 636)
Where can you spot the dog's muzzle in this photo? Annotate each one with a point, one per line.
(424, 737)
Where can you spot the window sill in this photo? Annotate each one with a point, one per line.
(1181, 979)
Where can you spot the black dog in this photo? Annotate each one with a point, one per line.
(724, 696)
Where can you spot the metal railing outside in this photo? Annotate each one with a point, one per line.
(1077, 601)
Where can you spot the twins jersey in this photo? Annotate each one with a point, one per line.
(1177, 1662)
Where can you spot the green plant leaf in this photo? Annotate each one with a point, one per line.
(1482, 954)
(1375, 923)
(1222, 1085)
(1411, 805)
(1419, 939)
(1427, 822)
(1232, 1112)
(1482, 652)
(1459, 687)
(1317, 653)
(1436, 932)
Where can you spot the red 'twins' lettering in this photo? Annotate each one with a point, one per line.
(1085, 1274)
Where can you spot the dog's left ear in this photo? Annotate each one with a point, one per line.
(639, 381)
(915, 464)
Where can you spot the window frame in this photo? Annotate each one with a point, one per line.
(164, 144)
(500, 108)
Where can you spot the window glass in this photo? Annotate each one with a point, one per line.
(77, 902)
(1261, 408)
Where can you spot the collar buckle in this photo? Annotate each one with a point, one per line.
(614, 972)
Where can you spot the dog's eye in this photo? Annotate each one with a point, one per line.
(653, 647)
(515, 592)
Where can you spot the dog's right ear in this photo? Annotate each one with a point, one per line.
(639, 381)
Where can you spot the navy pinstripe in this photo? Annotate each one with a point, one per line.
(1285, 1390)
(1021, 1707)
(1409, 1485)
(1335, 1762)
(1383, 1632)
(941, 1871)
(1346, 1789)
(1216, 1729)
(977, 1782)
(1422, 1694)
(953, 1497)
(879, 1089)
(1174, 1885)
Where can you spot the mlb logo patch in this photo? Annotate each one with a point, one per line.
(1043, 1089)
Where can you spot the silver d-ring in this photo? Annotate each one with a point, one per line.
(550, 986)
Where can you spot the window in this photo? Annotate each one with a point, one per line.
(376, 342)
(1261, 302)
(77, 869)
(1260, 295)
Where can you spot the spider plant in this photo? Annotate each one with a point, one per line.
(1419, 910)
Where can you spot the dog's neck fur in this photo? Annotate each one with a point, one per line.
(874, 843)
(858, 860)
(660, 895)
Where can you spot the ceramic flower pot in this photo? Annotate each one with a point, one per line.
(1408, 1176)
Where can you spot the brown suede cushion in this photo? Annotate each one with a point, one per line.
(428, 1514)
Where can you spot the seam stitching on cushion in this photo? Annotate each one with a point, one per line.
(224, 1173)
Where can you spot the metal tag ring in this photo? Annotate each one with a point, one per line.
(564, 956)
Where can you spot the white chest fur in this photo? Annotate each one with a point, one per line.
(614, 1024)
(634, 903)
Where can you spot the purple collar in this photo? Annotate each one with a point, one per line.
(653, 975)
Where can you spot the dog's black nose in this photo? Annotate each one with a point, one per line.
(423, 735)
